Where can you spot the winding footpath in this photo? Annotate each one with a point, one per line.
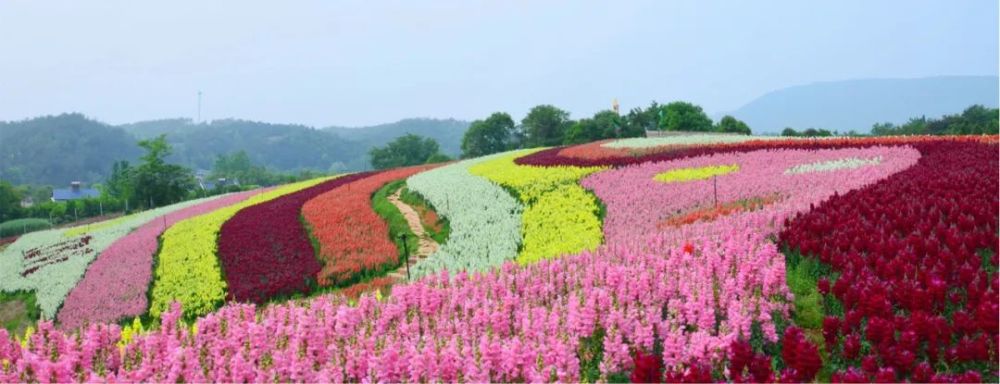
(426, 245)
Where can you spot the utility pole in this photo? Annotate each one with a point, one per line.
(406, 253)
(715, 191)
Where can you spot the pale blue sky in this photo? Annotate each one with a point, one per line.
(366, 62)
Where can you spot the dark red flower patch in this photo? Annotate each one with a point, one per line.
(264, 249)
(915, 258)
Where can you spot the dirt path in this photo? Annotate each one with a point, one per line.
(427, 245)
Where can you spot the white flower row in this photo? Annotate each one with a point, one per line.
(485, 219)
(647, 142)
(65, 266)
(833, 165)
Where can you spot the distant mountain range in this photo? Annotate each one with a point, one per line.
(58, 149)
(857, 104)
(55, 150)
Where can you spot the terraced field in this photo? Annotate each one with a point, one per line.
(676, 259)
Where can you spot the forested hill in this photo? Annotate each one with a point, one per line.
(447, 132)
(58, 149)
(55, 150)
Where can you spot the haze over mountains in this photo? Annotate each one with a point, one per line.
(57, 149)
(857, 104)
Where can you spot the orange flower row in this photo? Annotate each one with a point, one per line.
(352, 238)
(713, 212)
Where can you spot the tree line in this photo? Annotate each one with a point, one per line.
(974, 120)
(151, 183)
(547, 125)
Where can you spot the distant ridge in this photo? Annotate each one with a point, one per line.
(857, 104)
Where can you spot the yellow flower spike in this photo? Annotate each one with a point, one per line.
(378, 295)
(27, 335)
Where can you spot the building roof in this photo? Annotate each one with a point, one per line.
(63, 194)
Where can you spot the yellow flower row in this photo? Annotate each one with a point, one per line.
(697, 173)
(187, 268)
(560, 217)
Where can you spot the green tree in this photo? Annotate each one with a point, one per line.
(582, 131)
(638, 121)
(406, 150)
(437, 158)
(10, 202)
(683, 116)
(484, 137)
(545, 125)
(789, 132)
(729, 124)
(119, 185)
(156, 183)
(238, 167)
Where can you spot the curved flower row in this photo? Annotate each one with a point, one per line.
(833, 165)
(51, 263)
(187, 268)
(590, 155)
(560, 217)
(352, 237)
(649, 142)
(485, 219)
(636, 202)
(264, 249)
(914, 262)
(116, 283)
(511, 324)
(695, 173)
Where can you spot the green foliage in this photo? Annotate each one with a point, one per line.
(809, 132)
(683, 116)
(975, 120)
(437, 158)
(22, 226)
(639, 120)
(120, 184)
(591, 353)
(545, 125)
(418, 203)
(10, 202)
(802, 275)
(484, 137)
(397, 223)
(729, 124)
(55, 150)
(239, 168)
(404, 151)
(18, 310)
(157, 183)
(604, 125)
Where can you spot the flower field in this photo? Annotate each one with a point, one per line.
(187, 266)
(485, 219)
(265, 251)
(673, 259)
(559, 217)
(912, 261)
(116, 283)
(352, 238)
(50, 263)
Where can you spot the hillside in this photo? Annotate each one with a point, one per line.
(284, 147)
(857, 104)
(55, 150)
(447, 132)
(58, 149)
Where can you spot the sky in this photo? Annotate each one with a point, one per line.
(356, 63)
